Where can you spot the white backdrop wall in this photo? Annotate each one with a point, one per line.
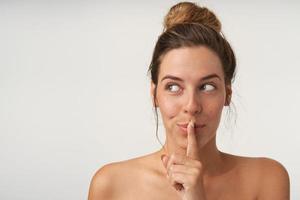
(74, 90)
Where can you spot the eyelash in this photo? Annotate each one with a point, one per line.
(167, 87)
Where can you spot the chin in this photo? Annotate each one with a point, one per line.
(182, 143)
(179, 140)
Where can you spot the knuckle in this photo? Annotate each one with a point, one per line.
(196, 172)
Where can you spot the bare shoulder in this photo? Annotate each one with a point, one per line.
(100, 186)
(113, 178)
(275, 182)
(268, 176)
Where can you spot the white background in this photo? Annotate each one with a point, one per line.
(74, 90)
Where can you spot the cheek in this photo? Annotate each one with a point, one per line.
(169, 108)
(214, 109)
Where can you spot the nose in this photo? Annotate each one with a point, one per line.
(192, 105)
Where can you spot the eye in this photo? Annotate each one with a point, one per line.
(173, 87)
(208, 87)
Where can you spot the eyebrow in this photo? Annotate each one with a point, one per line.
(210, 76)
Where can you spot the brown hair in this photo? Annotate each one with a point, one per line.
(189, 25)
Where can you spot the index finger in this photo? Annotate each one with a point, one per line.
(192, 147)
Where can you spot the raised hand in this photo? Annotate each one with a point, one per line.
(184, 172)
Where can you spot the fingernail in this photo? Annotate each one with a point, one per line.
(192, 123)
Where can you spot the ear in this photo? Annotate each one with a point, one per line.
(228, 94)
(152, 91)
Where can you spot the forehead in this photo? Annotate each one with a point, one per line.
(191, 62)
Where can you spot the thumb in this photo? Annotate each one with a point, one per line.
(165, 159)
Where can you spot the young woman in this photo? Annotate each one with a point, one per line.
(192, 69)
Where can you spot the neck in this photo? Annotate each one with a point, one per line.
(210, 157)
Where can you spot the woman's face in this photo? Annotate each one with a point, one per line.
(191, 86)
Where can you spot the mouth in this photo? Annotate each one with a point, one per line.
(183, 126)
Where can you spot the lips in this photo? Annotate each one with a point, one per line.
(183, 126)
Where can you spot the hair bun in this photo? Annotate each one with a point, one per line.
(187, 12)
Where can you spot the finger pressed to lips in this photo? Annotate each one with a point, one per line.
(192, 147)
(182, 169)
(185, 126)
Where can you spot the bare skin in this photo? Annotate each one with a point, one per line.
(191, 93)
(145, 178)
